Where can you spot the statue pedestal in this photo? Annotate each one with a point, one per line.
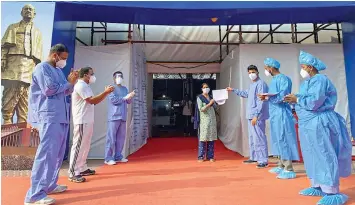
(18, 146)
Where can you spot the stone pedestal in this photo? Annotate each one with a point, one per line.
(18, 146)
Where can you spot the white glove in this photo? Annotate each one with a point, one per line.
(133, 93)
(129, 96)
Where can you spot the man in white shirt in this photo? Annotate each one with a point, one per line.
(83, 101)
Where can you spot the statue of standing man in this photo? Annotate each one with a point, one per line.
(21, 51)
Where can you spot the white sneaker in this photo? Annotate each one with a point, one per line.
(123, 160)
(45, 200)
(59, 189)
(111, 162)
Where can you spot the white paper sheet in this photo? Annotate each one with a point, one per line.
(220, 96)
(268, 94)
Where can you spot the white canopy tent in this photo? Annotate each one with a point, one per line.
(182, 58)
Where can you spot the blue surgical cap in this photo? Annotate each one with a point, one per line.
(308, 59)
(272, 63)
(320, 65)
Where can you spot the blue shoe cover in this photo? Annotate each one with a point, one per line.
(276, 170)
(333, 199)
(286, 175)
(312, 191)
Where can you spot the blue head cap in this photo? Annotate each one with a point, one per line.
(308, 59)
(272, 63)
(320, 65)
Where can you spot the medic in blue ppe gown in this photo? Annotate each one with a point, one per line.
(282, 123)
(116, 122)
(49, 110)
(325, 142)
(257, 113)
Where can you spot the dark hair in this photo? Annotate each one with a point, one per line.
(117, 72)
(204, 84)
(59, 48)
(84, 71)
(253, 67)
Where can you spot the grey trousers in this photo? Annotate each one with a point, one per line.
(285, 164)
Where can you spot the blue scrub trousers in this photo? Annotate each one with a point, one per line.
(48, 160)
(258, 142)
(115, 138)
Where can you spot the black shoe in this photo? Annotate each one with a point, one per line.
(249, 161)
(262, 165)
(77, 179)
(88, 172)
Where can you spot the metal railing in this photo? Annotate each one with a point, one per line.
(12, 136)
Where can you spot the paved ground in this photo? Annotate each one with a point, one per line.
(165, 172)
(93, 164)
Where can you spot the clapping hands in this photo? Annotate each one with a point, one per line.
(262, 97)
(73, 77)
(109, 89)
(291, 98)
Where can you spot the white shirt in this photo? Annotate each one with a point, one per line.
(83, 112)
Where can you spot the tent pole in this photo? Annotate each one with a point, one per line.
(78, 39)
(240, 34)
(92, 33)
(144, 32)
(228, 31)
(338, 32)
(168, 42)
(293, 33)
(296, 33)
(220, 44)
(129, 33)
(105, 32)
(316, 30)
(315, 33)
(258, 32)
(271, 32)
(227, 40)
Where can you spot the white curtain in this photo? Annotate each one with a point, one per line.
(105, 60)
(137, 122)
(234, 131)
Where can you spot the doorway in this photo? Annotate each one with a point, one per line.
(169, 109)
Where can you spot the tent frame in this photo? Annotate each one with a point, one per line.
(222, 40)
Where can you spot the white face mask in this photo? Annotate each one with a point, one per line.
(252, 76)
(92, 79)
(206, 90)
(267, 73)
(61, 64)
(119, 81)
(304, 74)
